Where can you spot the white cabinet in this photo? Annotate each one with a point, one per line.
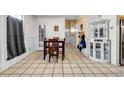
(99, 29)
(100, 45)
(91, 49)
(100, 50)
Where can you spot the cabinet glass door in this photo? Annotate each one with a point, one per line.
(95, 32)
(106, 51)
(98, 50)
(102, 31)
(91, 49)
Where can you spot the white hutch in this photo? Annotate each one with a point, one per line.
(100, 47)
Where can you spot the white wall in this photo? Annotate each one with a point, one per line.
(28, 37)
(50, 26)
(2, 39)
(113, 35)
(29, 32)
(50, 23)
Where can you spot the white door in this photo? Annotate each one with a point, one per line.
(41, 35)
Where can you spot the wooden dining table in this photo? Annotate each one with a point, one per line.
(61, 46)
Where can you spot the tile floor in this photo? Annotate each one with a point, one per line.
(74, 65)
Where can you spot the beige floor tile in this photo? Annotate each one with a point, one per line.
(14, 75)
(90, 65)
(110, 75)
(107, 65)
(100, 75)
(50, 65)
(19, 71)
(25, 76)
(76, 70)
(16, 65)
(42, 65)
(38, 61)
(114, 70)
(38, 72)
(120, 75)
(47, 75)
(67, 71)
(25, 65)
(86, 70)
(79, 75)
(72, 61)
(68, 75)
(105, 70)
(8, 71)
(66, 66)
(82, 65)
(34, 66)
(89, 75)
(48, 71)
(58, 70)
(79, 61)
(86, 62)
(98, 65)
(29, 62)
(28, 71)
(57, 75)
(74, 65)
(95, 70)
(71, 58)
(120, 68)
(4, 75)
(58, 65)
(66, 61)
(77, 57)
(35, 75)
(44, 62)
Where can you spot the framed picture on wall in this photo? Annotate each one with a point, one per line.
(56, 28)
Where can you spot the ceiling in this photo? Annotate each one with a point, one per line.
(58, 16)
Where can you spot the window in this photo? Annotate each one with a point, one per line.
(15, 37)
(17, 16)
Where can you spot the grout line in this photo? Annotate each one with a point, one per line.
(53, 69)
(71, 54)
(35, 70)
(44, 70)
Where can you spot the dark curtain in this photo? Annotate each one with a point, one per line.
(15, 37)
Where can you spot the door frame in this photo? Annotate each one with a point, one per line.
(37, 30)
(120, 42)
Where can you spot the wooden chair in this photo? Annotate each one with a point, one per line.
(53, 48)
(62, 51)
(55, 37)
(45, 48)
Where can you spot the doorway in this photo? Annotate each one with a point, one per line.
(67, 36)
(42, 35)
